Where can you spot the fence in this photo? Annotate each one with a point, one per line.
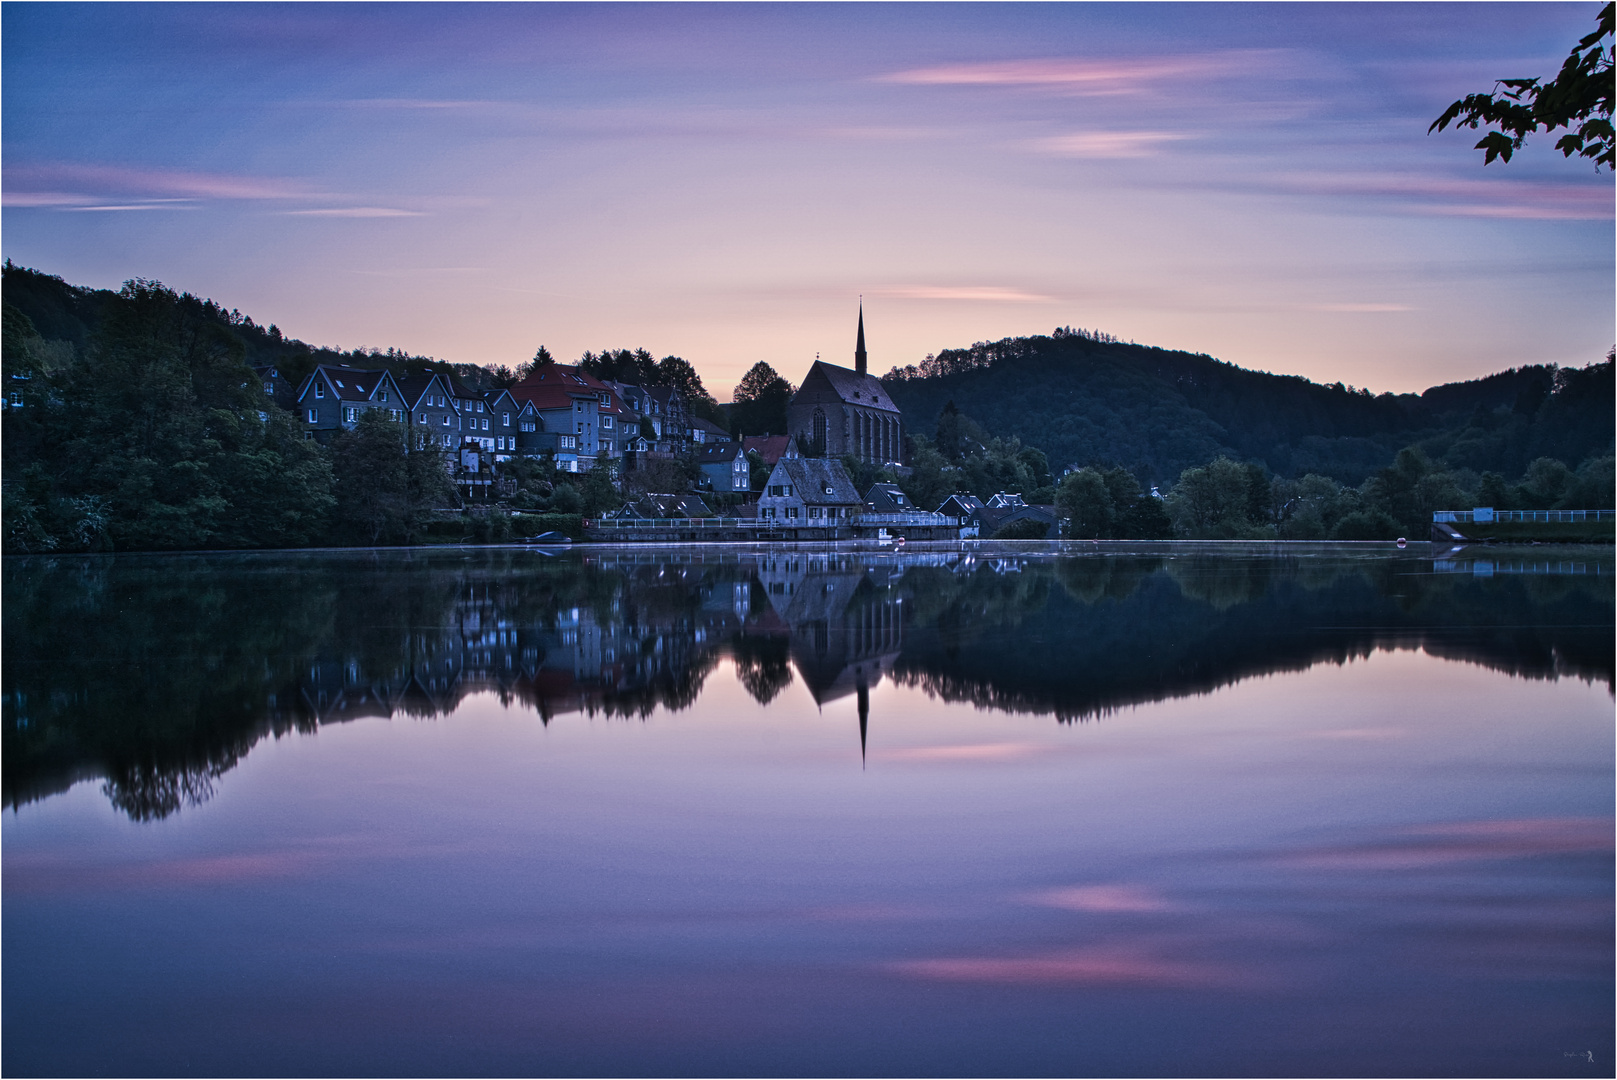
(1482, 515)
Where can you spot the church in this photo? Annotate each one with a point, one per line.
(838, 412)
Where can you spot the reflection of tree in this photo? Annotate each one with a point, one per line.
(762, 665)
(159, 674)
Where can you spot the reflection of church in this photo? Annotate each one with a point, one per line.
(846, 631)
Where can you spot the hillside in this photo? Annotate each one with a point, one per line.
(1086, 400)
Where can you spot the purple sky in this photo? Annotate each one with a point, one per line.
(466, 181)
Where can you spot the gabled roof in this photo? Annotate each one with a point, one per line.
(770, 447)
(554, 386)
(664, 395)
(965, 505)
(718, 453)
(817, 481)
(1006, 500)
(829, 384)
(415, 387)
(349, 384)
(493, 398)
(700, 424)
(884, 496)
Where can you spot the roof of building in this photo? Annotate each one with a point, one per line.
(964, 503)
(709, 428)
(718, 453)
(351, 384)
(827, 383)
(819, 481)
(554, 386)
(414, 386)
(770, 447)
(885, 496)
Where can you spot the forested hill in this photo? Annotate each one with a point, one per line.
(1085, 399)
(73, 313)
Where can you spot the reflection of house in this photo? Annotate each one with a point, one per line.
(837, 411)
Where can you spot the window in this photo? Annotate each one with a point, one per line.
(269, 388)
(815, 511)
(827, 487)
(307, 435)
(528, 425)
(423, 419)
(319, 390)
(479, 406)
(606, 421)
(393, 414)
(381, 395)
(485, 425)
(263, 417)
(350, 414)
(446, 437)
(446, 422)
(314, 416)
(606, 399)
(505, 419)
(339, 383)
(16, 398)
(499, 443)
(791, 512)
(581, 427)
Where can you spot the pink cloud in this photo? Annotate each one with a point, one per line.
(1073, 74)
(997, 293)
(1103, 898)
(356, 212)
(1088, 967)
(1488, 196)
(1107, 144)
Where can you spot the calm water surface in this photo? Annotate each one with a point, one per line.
(499, 811)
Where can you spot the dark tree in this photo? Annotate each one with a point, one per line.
(760, 404)
(1577, 99)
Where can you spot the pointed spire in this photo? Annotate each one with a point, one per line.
(864, 720)
(859, 346)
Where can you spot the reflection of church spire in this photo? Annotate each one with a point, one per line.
(859, 345)
(864, 719)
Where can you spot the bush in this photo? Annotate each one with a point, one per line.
(1366, 525)
(1026, 529)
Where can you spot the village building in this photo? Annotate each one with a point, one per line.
(335, 396)
(724, 467)
(434, 421)
(838, 412)
(769, 448)
(809, 491)
(568, 400)
(706, 432)
(885, 498)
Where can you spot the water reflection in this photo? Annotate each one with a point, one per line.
(157, 674)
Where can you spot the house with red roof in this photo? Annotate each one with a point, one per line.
(567, 400)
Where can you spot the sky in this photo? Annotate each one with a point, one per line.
(726, 182)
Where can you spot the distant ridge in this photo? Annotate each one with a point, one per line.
(1087, 399)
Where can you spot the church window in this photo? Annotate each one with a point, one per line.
(819, 430)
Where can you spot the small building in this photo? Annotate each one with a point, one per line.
(886, 498)
(771, 448)
(969, 509)
(434, 421)
(706, 432)
(686, 505)
(725, 467)
(809, 491)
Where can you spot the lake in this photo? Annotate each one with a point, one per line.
(1323, 811)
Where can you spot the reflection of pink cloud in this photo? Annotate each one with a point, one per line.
(1472, 841)
(1084, 76)
(117, 180)
(1103, 898)
(50, 876)
(963, 752)
(1107, 144)
(1092, 967)
(355, 212)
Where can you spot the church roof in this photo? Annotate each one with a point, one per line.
(827, 384)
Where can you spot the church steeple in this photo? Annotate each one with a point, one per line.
(859, 345)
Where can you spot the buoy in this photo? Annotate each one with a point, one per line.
(1402, 542)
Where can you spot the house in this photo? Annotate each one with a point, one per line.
(809, 491)
(669, 413)
(502, 421)
(838, 412)
(334, 396)
(276, 387)
(706, 432)
(434, 421)
(770, 448)
(969, 509)
(885, 498)
(568, 400)
(1006, 509)
(725, 467)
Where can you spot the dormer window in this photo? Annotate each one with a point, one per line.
(606, 399)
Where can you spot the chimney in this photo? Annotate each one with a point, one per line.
(859, 346)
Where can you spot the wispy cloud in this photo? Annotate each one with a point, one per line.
(1107, 144)
(1083, 75)
(63, 180)
(989, 293)
(1102, 898)
(1104, 966)
(1356, 309)
(356, 212)
(1486, 196)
